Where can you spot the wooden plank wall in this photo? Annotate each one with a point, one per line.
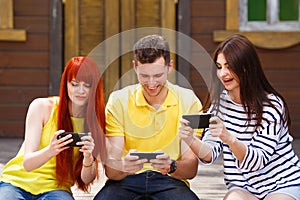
(281, 66)
(24, 66)
(98, 20)
(91, 23)
(132, 14)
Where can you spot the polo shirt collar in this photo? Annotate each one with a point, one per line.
(141, 101)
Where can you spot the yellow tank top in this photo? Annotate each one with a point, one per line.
(42, 179)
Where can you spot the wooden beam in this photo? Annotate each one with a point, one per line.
(232, 14)
(127, 22)
(184, 26)
(71, 28)
(6, 14)
(263, 39)
(55, 46)
(13, 35)
(112, 50)
(168, 21)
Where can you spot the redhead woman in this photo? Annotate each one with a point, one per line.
(46, 167)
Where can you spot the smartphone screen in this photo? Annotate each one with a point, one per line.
(75, 136)
(198, 120)
(147, 155)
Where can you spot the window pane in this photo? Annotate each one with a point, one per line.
(288, 10)
(257, 10)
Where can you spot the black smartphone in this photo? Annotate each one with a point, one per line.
(147, 155)
(198, 120)
(75, 136)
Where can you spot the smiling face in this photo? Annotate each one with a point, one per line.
(229, 79)
(78, 92)
(153, 77)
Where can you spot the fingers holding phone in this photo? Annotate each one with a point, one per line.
(185, 131)
(197, 121)
(83, 140)
(161, 162)
(87, 143)
(132, 163)
(58, 144)
(218, 129)
(147, 155)
(71, 139)
(189, 122)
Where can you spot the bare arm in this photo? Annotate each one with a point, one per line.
(218, 129)
(38, 114)
(187, 166)
(199, 148)
(89, 165)
(188, 160)
(88, 172)
(113, 165)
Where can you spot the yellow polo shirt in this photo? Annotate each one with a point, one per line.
(145, 128)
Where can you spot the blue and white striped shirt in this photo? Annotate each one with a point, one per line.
(270, 162)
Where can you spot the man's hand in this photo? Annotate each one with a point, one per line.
(161, 163)
(132, 164)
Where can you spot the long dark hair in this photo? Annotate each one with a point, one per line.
(244, 62)
(82, 69)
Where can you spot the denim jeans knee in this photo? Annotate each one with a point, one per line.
(9, 192)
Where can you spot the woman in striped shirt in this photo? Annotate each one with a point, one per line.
(250, 126)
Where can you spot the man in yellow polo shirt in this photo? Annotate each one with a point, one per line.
(145, 118)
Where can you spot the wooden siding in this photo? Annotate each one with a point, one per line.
(133, 14)
(281, 66)
(91, 25)
(98, 20)
(24, 66)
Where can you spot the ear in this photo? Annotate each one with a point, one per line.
(134, 65)
(170, 67)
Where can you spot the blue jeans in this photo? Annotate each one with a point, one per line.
(291, 191)
(147, 185)
(10, 192)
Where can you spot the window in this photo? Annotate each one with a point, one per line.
(269, 15)
(256, 19)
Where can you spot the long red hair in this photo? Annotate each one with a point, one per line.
(82, 69)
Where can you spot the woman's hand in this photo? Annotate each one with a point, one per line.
(186, 133)
(218, 129)
(88, 172)
(88, 144)
(87, 149)
(58, 145)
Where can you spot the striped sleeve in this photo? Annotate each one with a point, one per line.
(264, 141)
